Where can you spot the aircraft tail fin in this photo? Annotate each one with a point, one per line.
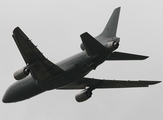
(92, 46)
(111, 27)
(110, 30)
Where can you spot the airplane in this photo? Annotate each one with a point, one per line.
(40, 74)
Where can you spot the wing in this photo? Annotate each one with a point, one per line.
(40, 68)
(97, 83)
(125, 56)
(28, 50)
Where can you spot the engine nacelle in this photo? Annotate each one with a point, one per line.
(83, 95)
(112, 45)
(20, 74)
(82, 46)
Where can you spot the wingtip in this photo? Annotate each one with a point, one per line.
(158, 82)
(118, 8)
(155, 82)
(16, 29)
(142, 57)
(145, 57)
(85, 33)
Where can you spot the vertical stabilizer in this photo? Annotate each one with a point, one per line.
(111, 27)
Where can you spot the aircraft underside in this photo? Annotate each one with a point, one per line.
(40, 74)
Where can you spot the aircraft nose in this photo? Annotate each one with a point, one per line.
(7, 98)
(10, 94)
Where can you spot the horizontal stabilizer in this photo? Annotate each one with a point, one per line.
(92, 46)
(125, 56)
(101, 83)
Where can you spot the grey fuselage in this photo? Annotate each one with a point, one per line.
(40, 74)
(75, 68)
(95, 51)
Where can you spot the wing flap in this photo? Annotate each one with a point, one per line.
(125, 56)
(97, 83)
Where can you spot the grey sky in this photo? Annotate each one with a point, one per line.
(55, 26)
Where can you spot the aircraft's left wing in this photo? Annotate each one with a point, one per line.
(40, 67)
(97, 83)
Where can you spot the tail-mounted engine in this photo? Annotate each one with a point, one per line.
(22, 73)
(112, 45)
(82, 46)
(83, 95)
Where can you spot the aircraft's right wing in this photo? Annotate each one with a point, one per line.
(97, 83)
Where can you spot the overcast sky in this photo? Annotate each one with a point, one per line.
(55, 26)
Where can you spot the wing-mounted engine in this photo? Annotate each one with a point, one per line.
(22, 73)
(83, 95)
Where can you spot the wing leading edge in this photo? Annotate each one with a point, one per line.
(98, 83)
(28, 50)
(40, 67)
